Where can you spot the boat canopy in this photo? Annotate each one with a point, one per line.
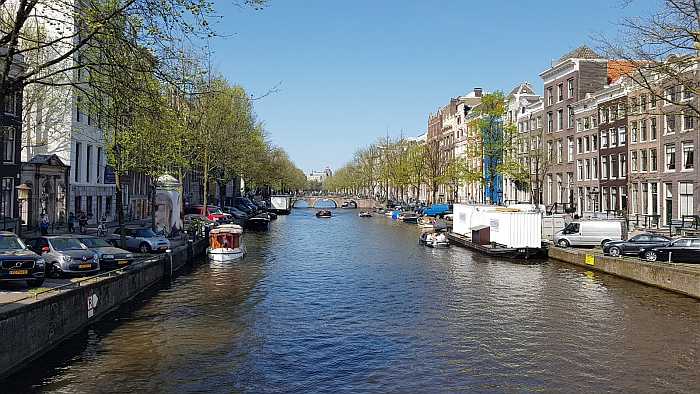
(227, 229)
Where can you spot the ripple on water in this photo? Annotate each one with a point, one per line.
(355, 305)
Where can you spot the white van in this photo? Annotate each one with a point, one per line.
(589, 233)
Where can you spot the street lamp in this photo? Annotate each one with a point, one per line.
(22, 196)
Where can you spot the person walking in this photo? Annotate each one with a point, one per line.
(71, 222)
(44, 224)
(82, 222)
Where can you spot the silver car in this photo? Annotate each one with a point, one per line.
(143, 240)
(66, 256)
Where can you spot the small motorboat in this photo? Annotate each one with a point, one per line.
(434, 240)
(365, 214)
(271, 215)
(225, 243)
(409, 217)
(426, 222)
(324, 213)
(259, 222)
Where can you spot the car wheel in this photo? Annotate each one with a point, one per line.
(144, 248)
(35, 282)
(604, 242)
(650, 255)
(614, 251)
(54, 271)
(563, 243)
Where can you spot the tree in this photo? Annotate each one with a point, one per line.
(660, 51)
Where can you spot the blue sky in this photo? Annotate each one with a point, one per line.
(351, 70)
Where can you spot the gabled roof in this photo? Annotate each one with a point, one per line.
(582, 52)
(52, 160)
(523, 88)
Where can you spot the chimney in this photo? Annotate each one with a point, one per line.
(477, 92)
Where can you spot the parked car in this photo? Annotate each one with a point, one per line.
(65, 256)
(236, 213)
(110, 256)
(682, 250)
(589, 233)
(142, 240)
(18, 263)
(634, 245)
(213, 213)
(241, 202)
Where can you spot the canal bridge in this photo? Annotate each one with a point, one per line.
(312, 201)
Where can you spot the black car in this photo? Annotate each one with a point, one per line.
(634, 245)
(683, 250)
(17, 263)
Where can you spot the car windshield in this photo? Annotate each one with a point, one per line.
(66, 244)
(215, 211)
(10, 242)
(95, 242)
(145, 233)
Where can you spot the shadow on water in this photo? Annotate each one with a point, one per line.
(354, 304)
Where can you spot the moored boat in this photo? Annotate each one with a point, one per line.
(409, 217)
(259, 222)
(434, 240)
(365, 214)
(225, 243)
(324, 213)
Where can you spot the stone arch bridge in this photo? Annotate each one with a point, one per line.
(360, 203)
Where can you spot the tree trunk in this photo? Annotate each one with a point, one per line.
(120, 208)
(153, 204)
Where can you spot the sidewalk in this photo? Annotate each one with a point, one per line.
(90, 230)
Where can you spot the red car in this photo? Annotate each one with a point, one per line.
(213, 213)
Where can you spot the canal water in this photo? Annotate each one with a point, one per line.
(352, 304)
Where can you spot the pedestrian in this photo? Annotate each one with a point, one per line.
(71, 222)
(82, 221)
(44, 224)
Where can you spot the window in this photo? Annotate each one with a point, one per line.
(670, 95)
(560, 92)
(613, 198)
(670, 157)
(570, 149)
(570, 87)
(633, 161)
(8, 140)
(623, 165)
(633, 134)
(550, 98)
(603, 139)
(688, 151)
(620, 111)
(652, 159)
(670, 124)
(614, 167)
(613, 137)
(594, 142)
(579, 125)
(603, 115)
(539, 122)
(579, 168)
(560, 151)
(594, 121)
(652, 101)
(652, 136)
(688, 93)
(643, 102)
(11, 104)
(76, 165)
(108, 205)
(685, 198)
(594, 165)
(550, 122)
(586, 144)
(605, 171)
(579, 145)
(688, 122)
(88, 163)
(99, 164)
(622, 135)
(560, 119)
(588, 169)
(643, 132)
(587, 123)
(77, 109)
(643, 160)
(8, 188)
(570, 124)
(550, 151)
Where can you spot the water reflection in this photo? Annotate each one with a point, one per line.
(350, 304)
